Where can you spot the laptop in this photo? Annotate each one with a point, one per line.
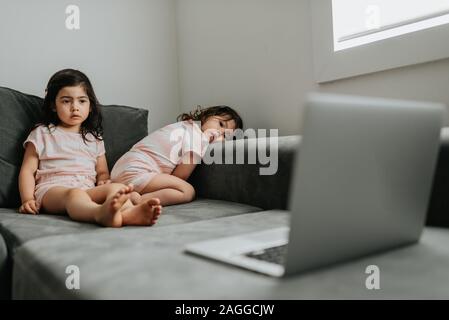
(361, 184)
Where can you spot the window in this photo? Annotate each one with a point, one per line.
(354, 37)
(358, 22)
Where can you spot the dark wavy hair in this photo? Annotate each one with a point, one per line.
(202, 114)
(72, 78)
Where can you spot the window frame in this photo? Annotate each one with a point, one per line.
(330, 65)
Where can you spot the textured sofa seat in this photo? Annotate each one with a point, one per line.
(4, 271)
(136, 264)
(19, 228)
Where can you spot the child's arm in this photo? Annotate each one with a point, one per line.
(102, 170)
(186, 167)
(27, 180)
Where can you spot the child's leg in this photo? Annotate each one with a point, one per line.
(80, 207)
(99, 194)
(143, 213)
(169, 189)
(115, 211)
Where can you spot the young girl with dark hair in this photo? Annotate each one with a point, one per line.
(64, 167)
(159, 165)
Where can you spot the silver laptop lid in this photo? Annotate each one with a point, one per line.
(362, 177)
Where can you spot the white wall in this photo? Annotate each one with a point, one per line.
(126, 47)
(253, 55)
(427, 82)
(257, 56)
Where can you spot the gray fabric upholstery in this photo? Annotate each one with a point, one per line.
(5, 274)
(18, 228)
(243, 182)
(161, 270)
(202, 209)
(438, 212)
(123, 127)
(18, 113)
(226, 181)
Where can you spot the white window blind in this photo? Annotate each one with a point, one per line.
(358, 22)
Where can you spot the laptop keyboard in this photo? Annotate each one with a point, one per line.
(274, 254)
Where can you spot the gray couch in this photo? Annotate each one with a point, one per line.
(149, 262)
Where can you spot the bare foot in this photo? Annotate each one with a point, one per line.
(143, 214)
(135, 198)
(110, 214)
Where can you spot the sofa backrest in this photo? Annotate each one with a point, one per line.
(438, 210)
(123, 127)
(243, 182)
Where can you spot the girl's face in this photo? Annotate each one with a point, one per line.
(72, 106)
(217, 127)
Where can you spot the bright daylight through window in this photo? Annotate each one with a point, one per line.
(359, 22)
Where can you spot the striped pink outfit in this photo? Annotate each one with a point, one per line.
(159, 152)
(64, 159)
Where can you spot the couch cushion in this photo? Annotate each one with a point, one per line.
(19, 228)
(124, 264)
(18, 113)
(438, 210)
(123, 127)
(271, 191)
(244, 182)
(139, 265)
(4, 271)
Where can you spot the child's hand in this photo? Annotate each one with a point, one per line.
(213, 135)
(102, 182)
(30, 207)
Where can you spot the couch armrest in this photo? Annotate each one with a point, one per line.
(244, 183)
(438, 210)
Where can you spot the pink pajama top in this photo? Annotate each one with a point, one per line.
(159, 152)
(64, 159)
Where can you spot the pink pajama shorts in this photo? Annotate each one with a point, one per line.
(135, 168)
(45, 183)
